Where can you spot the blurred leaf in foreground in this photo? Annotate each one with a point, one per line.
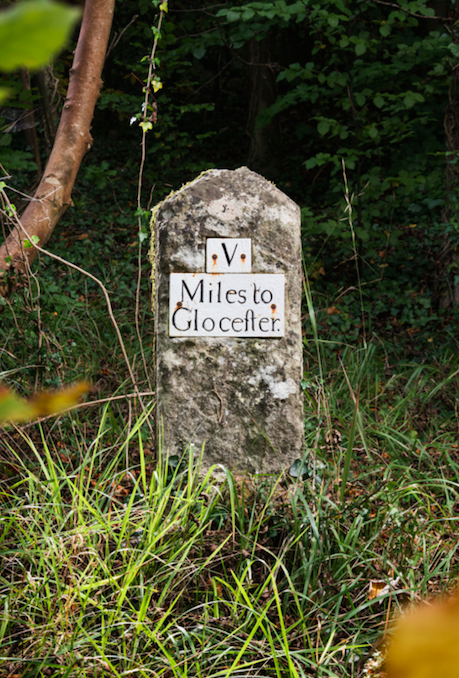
(426, 643)
(16, 409)
(32, 31)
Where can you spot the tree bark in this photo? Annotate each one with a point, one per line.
(73, 139)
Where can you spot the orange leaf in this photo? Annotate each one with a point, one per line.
(377, 586)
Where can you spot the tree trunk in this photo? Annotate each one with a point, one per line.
(73, 138)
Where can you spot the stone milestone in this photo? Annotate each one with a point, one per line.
(229, 362)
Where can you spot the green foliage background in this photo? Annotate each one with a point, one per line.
(362, 90)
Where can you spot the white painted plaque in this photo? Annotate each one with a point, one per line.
(228, 255)
(230, 305)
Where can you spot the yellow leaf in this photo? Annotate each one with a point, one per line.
(163, 7)
(57, 401)
(426, 643)
(16, 409)
(13, 408)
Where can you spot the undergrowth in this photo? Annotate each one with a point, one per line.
(115, 563)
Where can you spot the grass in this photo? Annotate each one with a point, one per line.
(114, 564)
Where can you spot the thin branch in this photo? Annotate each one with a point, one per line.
(407, 11)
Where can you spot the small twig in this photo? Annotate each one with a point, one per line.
(117, 38)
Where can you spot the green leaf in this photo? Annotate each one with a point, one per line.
(360, 48)
(373, 131)
(363, 234)
(385, 30)
(199, 51)
(299, 468)
(323, 127)
(32, 31)
(409, 100)
(454, 49)
(232, 16)
(5, 139)
(310, 163)
(4, 93)
(333, 20)
(378, 101)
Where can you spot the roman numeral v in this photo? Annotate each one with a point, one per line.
(228, 259)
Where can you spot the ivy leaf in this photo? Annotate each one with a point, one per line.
(156, 84)
(35, 240)
(32, 31)
(163, 7)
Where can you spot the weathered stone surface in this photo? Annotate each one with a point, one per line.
(241, 397)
